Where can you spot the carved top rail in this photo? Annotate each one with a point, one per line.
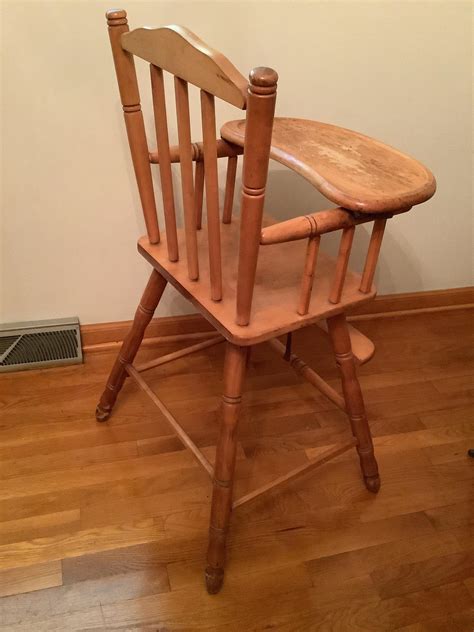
(182, 53)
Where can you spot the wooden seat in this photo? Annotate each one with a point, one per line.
(276, 286)
(350, 169)
(252, 279)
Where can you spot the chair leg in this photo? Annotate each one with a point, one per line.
(341, 343)
(234, 374)
(145, 310)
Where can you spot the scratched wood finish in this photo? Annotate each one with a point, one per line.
(348, 168)
(83, 537)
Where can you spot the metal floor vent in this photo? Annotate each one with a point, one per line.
(44, 343)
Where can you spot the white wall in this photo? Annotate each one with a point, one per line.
(398, 71)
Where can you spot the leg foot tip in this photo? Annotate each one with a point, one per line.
(102, 414)
(214, 579)
(372, 483)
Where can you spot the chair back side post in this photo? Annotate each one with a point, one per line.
(258, 133)
(130, 98)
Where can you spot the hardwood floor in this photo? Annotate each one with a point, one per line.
(104, 527)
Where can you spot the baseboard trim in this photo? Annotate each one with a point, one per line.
(169, 329)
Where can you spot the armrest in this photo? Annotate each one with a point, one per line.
(307, 226)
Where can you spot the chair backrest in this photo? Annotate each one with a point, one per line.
(176, 50)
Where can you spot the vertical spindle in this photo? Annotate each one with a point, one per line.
(212, 193)
(198, 191)
(162, 140)
(186, 163)
(341, 264)
(308, 274)
(372, 255)
(229, 189)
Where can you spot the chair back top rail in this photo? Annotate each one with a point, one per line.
(180, 52)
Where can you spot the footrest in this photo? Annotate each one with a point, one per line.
(362, 347)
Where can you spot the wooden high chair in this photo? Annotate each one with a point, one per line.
(251, 278)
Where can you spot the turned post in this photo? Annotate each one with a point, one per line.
(234, 373)
(145, 310)
(258, 136)
(130, 97)
(341, 343)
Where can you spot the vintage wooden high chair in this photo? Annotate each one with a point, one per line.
(252, 279)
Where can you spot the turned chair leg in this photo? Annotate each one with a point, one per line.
(150, 299)
(341, 343)
(234, 374)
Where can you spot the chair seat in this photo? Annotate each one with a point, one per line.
(350, 169)
(279, 272)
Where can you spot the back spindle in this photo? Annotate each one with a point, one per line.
(162, 140)
(212, 193)
(198, 191)
(130, 98)
(372, 255)
(341, 264)
(187, 186)
(229, 189)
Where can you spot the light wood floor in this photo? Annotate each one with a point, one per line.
(105, 527)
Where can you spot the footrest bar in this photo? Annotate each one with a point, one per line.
(182, 436)
(179, 354)
(301, 368)
(298, 471)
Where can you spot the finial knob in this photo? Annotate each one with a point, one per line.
(263, 80)
(116, 17)
(264, 77)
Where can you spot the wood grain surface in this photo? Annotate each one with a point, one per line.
(350, 169)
